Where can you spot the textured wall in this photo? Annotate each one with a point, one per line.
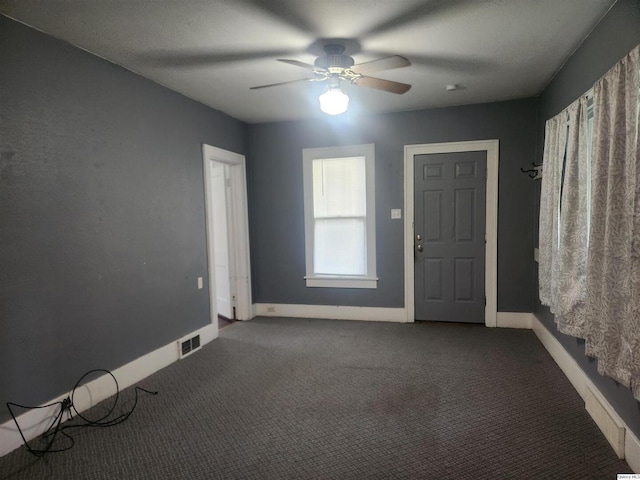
(611, 40)
(102, 224)
(276, 197)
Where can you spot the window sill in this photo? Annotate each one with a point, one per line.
(342, 282)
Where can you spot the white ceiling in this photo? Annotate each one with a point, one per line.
(214, 50)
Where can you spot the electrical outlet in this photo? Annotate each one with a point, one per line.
(271, 309)
(396, 213)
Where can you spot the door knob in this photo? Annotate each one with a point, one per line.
(418, 237)
(419, 247)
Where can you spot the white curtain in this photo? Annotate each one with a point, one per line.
(572, 249)
(613, 324)
(589, 263)
(563, 218)
(555, 140)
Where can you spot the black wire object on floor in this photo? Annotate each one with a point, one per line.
(67, 405)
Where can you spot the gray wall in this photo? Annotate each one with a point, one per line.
(102, 224)
(614, 37)
(276, 198)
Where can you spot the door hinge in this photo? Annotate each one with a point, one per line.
(228, 182)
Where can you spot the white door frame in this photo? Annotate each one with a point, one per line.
(238, 229)
(491, 246)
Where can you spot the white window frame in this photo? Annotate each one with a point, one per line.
(369, 280)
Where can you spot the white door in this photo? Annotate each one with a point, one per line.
(220, 185)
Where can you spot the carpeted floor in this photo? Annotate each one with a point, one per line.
(319, 399)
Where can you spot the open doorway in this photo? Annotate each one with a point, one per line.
(227, 234)
(222, 244)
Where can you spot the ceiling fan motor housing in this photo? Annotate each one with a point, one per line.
(334, 61)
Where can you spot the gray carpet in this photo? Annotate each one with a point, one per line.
(320, 399)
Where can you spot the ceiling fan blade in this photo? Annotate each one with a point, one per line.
(297, 63)
(283, 83)
(380, 84)
(388, 63)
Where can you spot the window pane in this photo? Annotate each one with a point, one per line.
(339, 246)
(339, 187)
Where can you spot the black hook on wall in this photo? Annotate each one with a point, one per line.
(535, 172)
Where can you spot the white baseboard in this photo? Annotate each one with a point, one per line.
(514, 320)
(333, 312)
(632, 450)
(34, 422)
(617, 432)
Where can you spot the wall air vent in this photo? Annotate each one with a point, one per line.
(187, 346)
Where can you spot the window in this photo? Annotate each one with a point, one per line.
(339, 210)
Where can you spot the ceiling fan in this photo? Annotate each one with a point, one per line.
(334, 66)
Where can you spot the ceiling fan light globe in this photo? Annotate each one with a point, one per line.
(334, 102)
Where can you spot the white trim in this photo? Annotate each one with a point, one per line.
(34, 422)
(239, 229)
(342, 282)
(612, 430)
(370, 280)
(491, 247)
(333, 312)
(630, 451)
(514, 320)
